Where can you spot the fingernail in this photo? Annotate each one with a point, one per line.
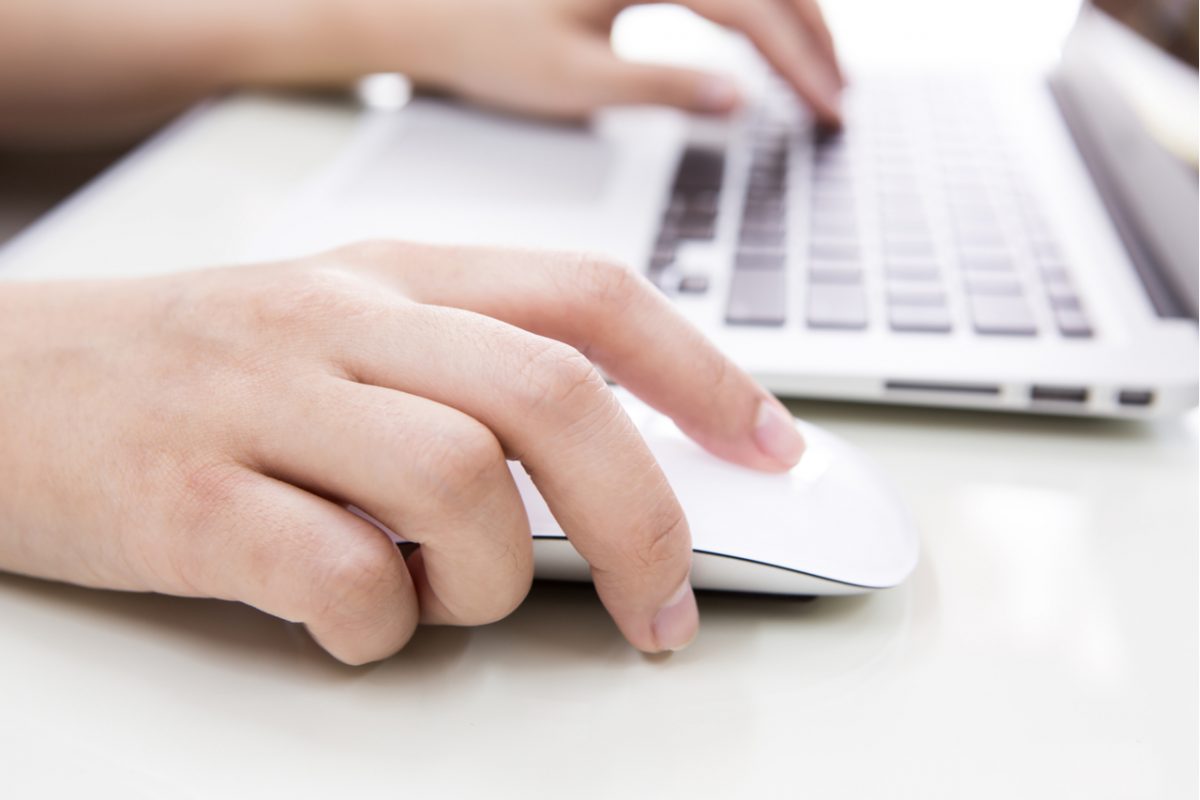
(677, 622)
(829, 92)
(718, 94)
(776, 435)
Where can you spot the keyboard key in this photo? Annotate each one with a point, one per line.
(697, 230)
(693, 284)
(986, 265)
(759, 259)
(988, 285)
(1045, 250)
(841, 307)
(911, 269)
(838, 273)
(768, 177)
(915, 294)
(908, 248)
(1065, 302)
(919, 318)
(1073, 323)
(1054, 271)
(703, 204)
(764, 208)
(834, 226)
(700, 168)
(1062, 294)
(763, 237)
(763, 227)
(757, 297)
(676, 208)
(1002, 315)
(833, 250)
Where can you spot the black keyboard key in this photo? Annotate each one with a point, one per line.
(765, 208)
(699, 169)
(703, 204)
(697, 229)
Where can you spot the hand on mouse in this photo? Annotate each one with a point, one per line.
(202, 435)
(554, 57)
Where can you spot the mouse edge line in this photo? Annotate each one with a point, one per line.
(746, 560)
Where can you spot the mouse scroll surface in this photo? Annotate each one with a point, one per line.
(832, 518)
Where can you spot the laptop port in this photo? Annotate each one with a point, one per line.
(1135, 397)
(1059, 394)
(941, 388)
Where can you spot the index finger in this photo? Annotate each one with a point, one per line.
(784, 34)
(814, 20)
(618, 320)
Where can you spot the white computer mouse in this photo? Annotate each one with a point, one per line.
(832, 525)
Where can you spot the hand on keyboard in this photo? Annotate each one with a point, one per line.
(96, 71)
(204, 435)
(552, 57)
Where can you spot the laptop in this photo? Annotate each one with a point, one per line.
(972, 241)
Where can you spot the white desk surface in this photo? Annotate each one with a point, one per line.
(1047, 645)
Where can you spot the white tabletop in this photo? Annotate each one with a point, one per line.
(1047, 645)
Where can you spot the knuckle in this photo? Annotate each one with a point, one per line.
(319, 295)
(352, 586)
(460, 458)
(212, 486)
(605, 285)
(666, 540)
(501, 601)
(555, 377)
(209, 489)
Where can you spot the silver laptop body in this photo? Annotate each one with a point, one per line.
(972, 241)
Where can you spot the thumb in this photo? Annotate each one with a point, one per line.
(617, 82)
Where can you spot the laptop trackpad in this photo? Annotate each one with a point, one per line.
(439, 172)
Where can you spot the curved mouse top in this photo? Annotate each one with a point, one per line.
(832, 517)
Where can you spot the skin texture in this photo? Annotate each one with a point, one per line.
(78, 72)
(202, 434)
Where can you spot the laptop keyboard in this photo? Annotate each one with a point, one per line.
(917, 219)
